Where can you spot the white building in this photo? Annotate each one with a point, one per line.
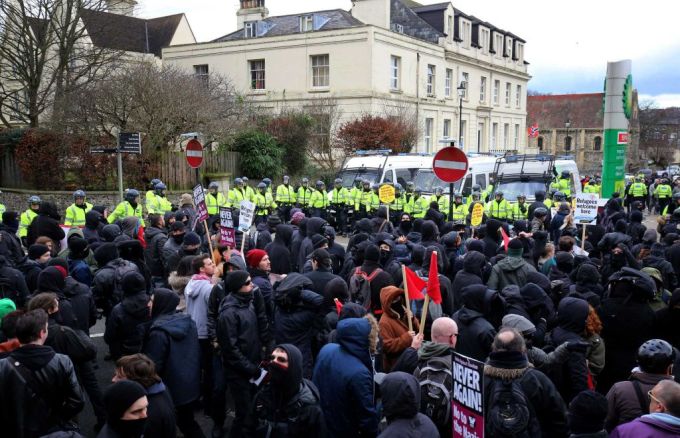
(381, 54)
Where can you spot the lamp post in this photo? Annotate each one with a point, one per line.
(567, 124)
(461, 92)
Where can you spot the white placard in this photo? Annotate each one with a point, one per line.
(245, 220)
(586, 208)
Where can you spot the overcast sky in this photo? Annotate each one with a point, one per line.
(568, 42)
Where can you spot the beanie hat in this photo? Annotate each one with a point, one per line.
(120, 396)
(587, 412)
(58, 261)
(520, 323)
(255, 256)
(77, 247)
(132, 283)
(37, 250)
(297, 217)
(186, 199)
(372, 253)
(636, 216)
(515, 248)
(621, 226)
(475, 245)
(235, 280)
(318, 241)
(273, 221)
(10, 219)
(105, 253)
(177, 226)
(191, 238)
(62, 270)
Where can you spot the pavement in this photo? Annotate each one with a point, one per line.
(105, 368)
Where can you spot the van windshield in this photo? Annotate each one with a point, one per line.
(511, 189)
(426, 181)
(348, 176)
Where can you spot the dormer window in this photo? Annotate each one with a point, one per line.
(508, 47)
(449, 27)
(498, 44)
(307, 23)
(519, 54)
(484, 39)
(398, 28)
(465, 32)
(250, 29)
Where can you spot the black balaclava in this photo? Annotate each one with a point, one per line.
(117, 399)
(165, 302)
(285, 382)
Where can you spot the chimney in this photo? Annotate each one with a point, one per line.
(251, 10)
(121, 7)
(375, 12)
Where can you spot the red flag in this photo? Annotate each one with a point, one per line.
(338, 305)
(506, 239)
(140, 236)
(533, 130)
(433, 290)
(414, 284)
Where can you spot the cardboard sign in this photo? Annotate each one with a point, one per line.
(386, 193)
(477, 215)
(226, 220)
(467, 397)
(228, 237)
(245, 220)
(199, 202)
(586, 208)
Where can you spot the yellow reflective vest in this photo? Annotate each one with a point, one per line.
(24, 221)
(459, 212)
(518, 214)
(235, 196)
(215, 202)
(663, 191)
(123, 210)
(498, 210)
(319, 199)
(285, 194)
(75, 216)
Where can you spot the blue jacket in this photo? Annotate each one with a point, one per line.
(172, 343)
(344, 376)
(80, 270)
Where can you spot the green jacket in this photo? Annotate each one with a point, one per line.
(510, 270)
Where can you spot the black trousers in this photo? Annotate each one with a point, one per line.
(186, 422)
(242, 394)
(88, 379)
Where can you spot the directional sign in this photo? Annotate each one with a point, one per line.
(130, 142)
(450, 164)
(102, 150)
(194, 153)
(386, 193)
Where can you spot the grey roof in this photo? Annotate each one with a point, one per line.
(413, 25)
(290, 24)
(428, 8)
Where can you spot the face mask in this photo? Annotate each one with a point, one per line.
(406, 225)
(397, 307)
(278, 374)
(178, 238)
(129, 428)
(384, 256)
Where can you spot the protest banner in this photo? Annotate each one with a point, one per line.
(586, 208)
(245, 220)
(199, 203)
(227, 232)
(467, 397)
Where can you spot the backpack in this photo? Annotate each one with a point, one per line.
(509, 413)
(436, 381)
(119, 271)
(360, 287)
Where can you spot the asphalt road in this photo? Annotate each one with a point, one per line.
(106, 368)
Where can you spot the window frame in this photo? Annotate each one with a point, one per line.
(395, 68)
(466, 79)
(446, 129)
(494, 135)
(508, 93)
(506, 135)
(254, 79)
(431, 80)
(202, 76)
(250, 29)
(482, 89)
(306, 20)
(516, 136)
(448, 82)
(429, 130)
(496, 91)
(317, 70)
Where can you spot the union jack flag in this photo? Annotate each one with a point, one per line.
(533, 130)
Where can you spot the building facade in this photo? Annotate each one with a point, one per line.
(382, 56)
(573, 125)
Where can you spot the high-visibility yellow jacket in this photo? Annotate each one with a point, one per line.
(24, 221)
(2, 210)
(319, 199)
(443, 202)
(663, 191)
(591, 188)
(341, 197)
(562, 185)
(303, 196)
(399, 204)
(419, 206)
(285, 194)
(498, 210)
(162, 205)
(637, 190)
(75, 216)
(215, 202)
(150, 201)
(125, 209)
(518, 214)
(235, 196)
(459, 212)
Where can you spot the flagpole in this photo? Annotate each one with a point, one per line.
(408, 303)
(423, 316)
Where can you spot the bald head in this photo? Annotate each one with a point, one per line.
(509, 339)
(668, 393)
(444, 331)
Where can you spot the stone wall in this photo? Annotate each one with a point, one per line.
(17, 200)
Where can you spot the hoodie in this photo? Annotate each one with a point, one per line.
(46, 224)
(510, 270)
(401, 404)
(279, 250)
(394, 330)
(475, 332)
(197, 293)
(473, 264)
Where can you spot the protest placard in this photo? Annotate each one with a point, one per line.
(245, 220)
(586, 208)
(199, 202)
(467, 397)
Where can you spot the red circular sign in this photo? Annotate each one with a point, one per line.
(194, 153)
(450, 164)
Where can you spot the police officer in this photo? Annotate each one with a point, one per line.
(75, 213)
(637, 191)
(268, 182)
(27, 217)
(672, 206)
(397, 207)
(129, 207)
(318, 203)
(408, 197)
(563, 183)
(248, 191)
(150, 196)
(663, 193)
(441, 200)
(214, 199)
(285, 198)
(353, 205)
(263, 203)
(364, 205)
(499, 208)
(162, 205)
(520, 210)
(236, 195)
(375, 197)
(459, 209)
(304, 193)
(488, 190)
(549, 200)
(419, 204)
(340, 199)
(475, 188)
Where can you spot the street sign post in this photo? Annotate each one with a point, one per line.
(194, 153)
(128, 143)
(450, 165)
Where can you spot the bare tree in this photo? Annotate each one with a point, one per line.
(45, 54)
(659, 133)
(404, 114)
(322, 149)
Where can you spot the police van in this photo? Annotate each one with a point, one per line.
(381, 167)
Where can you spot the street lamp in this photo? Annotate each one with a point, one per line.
(461, 92)
(567, 124)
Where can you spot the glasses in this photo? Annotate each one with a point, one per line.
(651, 396)
(279, 359)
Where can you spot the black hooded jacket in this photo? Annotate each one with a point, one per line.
(314, 226)
(473, 264)
(299, 315)
(296, 242)
(401, 405)
(288, 405)
(82, 302)
(125, 325)
(572, 376)
(14, 284)
(475, 332)
(94, 222)
(153, 253)
(46, 224)
(492, 239)
(279, 250)
(52, 280)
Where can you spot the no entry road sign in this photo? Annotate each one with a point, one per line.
(450, 164)
(194, 153)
